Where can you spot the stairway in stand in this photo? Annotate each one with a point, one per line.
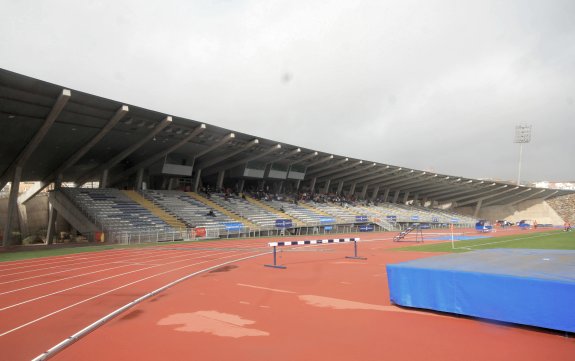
(280, 214)
(221, 209)
(165, 216)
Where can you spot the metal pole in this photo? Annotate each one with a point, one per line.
(519, 169)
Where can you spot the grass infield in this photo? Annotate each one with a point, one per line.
(546, 240)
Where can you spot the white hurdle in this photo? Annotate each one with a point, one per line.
(308, 242)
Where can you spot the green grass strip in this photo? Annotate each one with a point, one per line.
(546, 240)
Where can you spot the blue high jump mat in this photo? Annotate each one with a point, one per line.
(523, 286)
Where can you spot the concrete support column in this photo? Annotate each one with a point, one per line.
(415, 197)
(23, 220)
(363, 192)
(405, 197)
(53, 213)
(477, 208)
(104, 179)
(339, 187)
(140, 179)
(326, 187)
(220, 183)
(12, 205)
(396, 196)
(297, 184)
(52, 216)
(374, 193)
(197, 180)
(171, 184)
(312, 185)
(242, 184)
(280, 187)
(423, 201)
(385, 195)
(351, 189)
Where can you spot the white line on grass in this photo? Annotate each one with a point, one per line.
(508, 240)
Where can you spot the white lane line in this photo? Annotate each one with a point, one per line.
(132, 283)
(87, 283)
(94, 265)
(98, 271)
(96, 255)
(91, 260)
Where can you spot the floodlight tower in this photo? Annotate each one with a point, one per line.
(522, 136)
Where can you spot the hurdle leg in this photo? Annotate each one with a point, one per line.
(275, 265)
(355, 256)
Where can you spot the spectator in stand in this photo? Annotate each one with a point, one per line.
(567, 227)
(211, 213)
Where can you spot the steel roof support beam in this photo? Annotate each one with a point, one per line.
(346, 175)
(214, 161)
(468, 193)
(523, 199)
(473, 196)
(407, 180)
(447, 188)
(275, 148)
(149, 161)
(453, 193)
(440, 185)
(381, 175)
(224, 140)
(16, 168)
(286, 155)
(25, 154)
(316, 172)
(39, 186)
(304, 158)
(319, 161)
(420, 187)
(475, 200)
(324, 175)
(514, 195)
(125, 153)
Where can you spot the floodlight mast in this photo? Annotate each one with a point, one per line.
(522, 136)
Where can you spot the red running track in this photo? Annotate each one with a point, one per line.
(43, 301)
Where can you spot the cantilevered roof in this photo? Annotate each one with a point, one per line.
(75, 134)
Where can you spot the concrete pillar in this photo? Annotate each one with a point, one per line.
(339, 187)
(351, 189)
(405, 197)
(326, 187)
(220, 183)
(280, 187)
(242, 184)
(396, 196)
(197, 180)
(52, 216)
(374, 193)
(363, 192)
(12, 205)
(424, 201)
(415, 197)
(170, 184)
(477, 208)
(23, 220)
(297, 184)
(385, 195)
(140, 179)
(104, 179)
(312, 185)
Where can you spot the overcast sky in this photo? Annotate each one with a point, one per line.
(433, 85)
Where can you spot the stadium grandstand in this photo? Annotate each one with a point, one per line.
(102, 170)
